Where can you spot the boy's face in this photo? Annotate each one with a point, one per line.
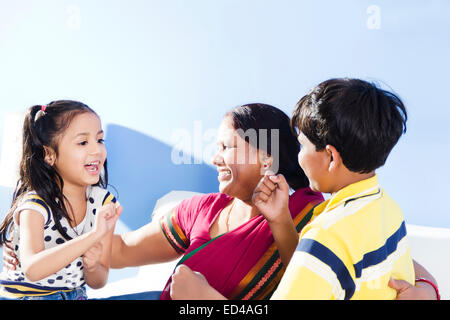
(315, 164)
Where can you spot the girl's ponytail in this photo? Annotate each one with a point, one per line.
(42, 127)
(30, 143)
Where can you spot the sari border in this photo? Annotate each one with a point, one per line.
(173, 233)
(259, 282)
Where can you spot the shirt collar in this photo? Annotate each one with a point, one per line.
(347, 194)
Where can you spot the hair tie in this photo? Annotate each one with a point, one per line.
(40, 113)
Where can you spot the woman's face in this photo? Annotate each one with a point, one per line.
(238, 163)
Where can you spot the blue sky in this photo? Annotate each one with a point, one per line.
(159, 66)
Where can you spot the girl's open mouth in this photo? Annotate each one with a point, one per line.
(93, 167)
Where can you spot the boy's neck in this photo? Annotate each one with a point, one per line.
(350, 178)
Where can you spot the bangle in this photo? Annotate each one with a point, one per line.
(432, 284)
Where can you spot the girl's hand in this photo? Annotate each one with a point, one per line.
(271, 197)
(106, 218)
(92, 257)
(9, 257)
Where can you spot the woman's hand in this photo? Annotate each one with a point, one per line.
(10, 261)
(92, 257)
(187, 284)
(406, 291)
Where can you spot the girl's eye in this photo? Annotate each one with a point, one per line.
(101, 141)
(82, 143)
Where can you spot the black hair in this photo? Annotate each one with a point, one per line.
(43, 129)
(259, 116)
(362, 121)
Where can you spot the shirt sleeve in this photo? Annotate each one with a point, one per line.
(177, 224)
(318, 270)
(108, 198)
(32, 201)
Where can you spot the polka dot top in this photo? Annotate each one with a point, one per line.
(14, 283)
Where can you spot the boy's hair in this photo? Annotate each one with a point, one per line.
(35, 174)
(259, 116)
(362, 121)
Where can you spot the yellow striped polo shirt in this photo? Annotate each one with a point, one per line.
(354, 244)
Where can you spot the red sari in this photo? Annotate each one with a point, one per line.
(241, 264)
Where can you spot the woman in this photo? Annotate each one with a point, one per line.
(223, 235)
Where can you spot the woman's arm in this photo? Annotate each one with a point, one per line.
(96, 263)
(145, 245)
(9, 258)
(421, 272)
(419, 291)
(96, 260)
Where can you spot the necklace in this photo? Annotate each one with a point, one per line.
(228, 217)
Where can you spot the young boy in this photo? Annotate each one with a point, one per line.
(357, 239)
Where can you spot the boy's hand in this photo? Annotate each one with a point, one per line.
(91, 259)
(271, 197)
(106, 218)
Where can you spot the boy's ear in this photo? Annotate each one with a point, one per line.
(335, 158)
(50, 155)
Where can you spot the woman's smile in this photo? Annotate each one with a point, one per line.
(224, 174)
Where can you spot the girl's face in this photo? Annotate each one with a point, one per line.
(81, 152)
(238, 163)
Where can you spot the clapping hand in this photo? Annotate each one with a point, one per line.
(107, 217)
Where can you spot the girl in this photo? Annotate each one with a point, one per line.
(61, 219)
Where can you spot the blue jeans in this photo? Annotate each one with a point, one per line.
(147, 295)
(75, 294)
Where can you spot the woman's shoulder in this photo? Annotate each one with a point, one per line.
(207, 199)
(303, 197)
(306, 193)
